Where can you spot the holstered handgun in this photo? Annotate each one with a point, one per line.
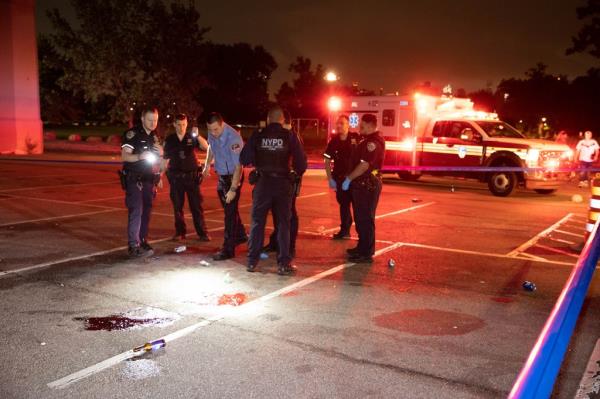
(296, 180)
(253, 177)
(198, 176)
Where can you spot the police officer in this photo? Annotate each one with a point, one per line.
(141, 154)
(270, 151)
(184, 176)
(364, 182)
(340, 150)
(225, 145)
(272, 245)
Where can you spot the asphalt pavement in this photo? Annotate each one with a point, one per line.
(449, 319)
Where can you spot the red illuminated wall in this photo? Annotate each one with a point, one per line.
(20, 124)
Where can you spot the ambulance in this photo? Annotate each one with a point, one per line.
(446, 136)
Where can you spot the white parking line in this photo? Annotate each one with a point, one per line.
(226, 312)
(122, 196)
(53, 175)
(534, 257)
(59, 186)
(186, 216)
(59, 217)
(489, 254)
(576, 215)
(61, 202)
(85, 256)
(523, 247)
(556, 250)
(568, 233)
(561, 240)
(573, 229)
(412, 208)
(403, 210)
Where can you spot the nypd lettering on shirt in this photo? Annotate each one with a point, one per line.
(271, 144)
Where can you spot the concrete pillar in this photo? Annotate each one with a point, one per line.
(20, 123)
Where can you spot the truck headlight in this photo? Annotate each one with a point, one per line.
(552, 164)
(533, 157)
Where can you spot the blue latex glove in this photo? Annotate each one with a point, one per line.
(346, 184)
(332, 184)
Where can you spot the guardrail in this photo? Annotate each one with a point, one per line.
(539, 373)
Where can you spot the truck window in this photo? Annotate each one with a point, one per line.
(438, 129)
(450, 129)
(388, 117)
(456, 128)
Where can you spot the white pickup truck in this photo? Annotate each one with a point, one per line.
(446, 136)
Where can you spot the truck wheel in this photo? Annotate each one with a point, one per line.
(545, 191)
(502, 184)
(408, 176)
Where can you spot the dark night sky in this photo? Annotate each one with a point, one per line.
(396, 44)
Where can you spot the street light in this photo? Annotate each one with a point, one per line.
(331, 76)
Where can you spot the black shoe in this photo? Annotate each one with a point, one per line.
(357, 258)
(352, 251)
(203, 237)
(241, 240)
(341, 235)
(222, 256)
(139, 252)
(251, 267)
(145, 246)
(269, 248)
(134, 252)
(285, 270)
(178, 237)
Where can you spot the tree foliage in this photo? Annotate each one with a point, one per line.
(588, 37)
(124, 55)
(306, 96)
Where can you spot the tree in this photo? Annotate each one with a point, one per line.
(540, 95)
(306, 97)
(57, 104)
(588, 38)
(484, 100)
(237, 77)
(130, 52)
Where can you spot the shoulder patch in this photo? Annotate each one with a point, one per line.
(129, 135)
(371, 146)
(235, 147)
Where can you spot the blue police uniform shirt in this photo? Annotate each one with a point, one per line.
(226, 150)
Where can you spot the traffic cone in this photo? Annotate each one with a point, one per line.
(594, 211)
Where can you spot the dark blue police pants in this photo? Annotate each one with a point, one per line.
(271, 193)
(364, 205)
(234, 228)
(273, 240)
(180, 187)
(138, 200)
(344, 199)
